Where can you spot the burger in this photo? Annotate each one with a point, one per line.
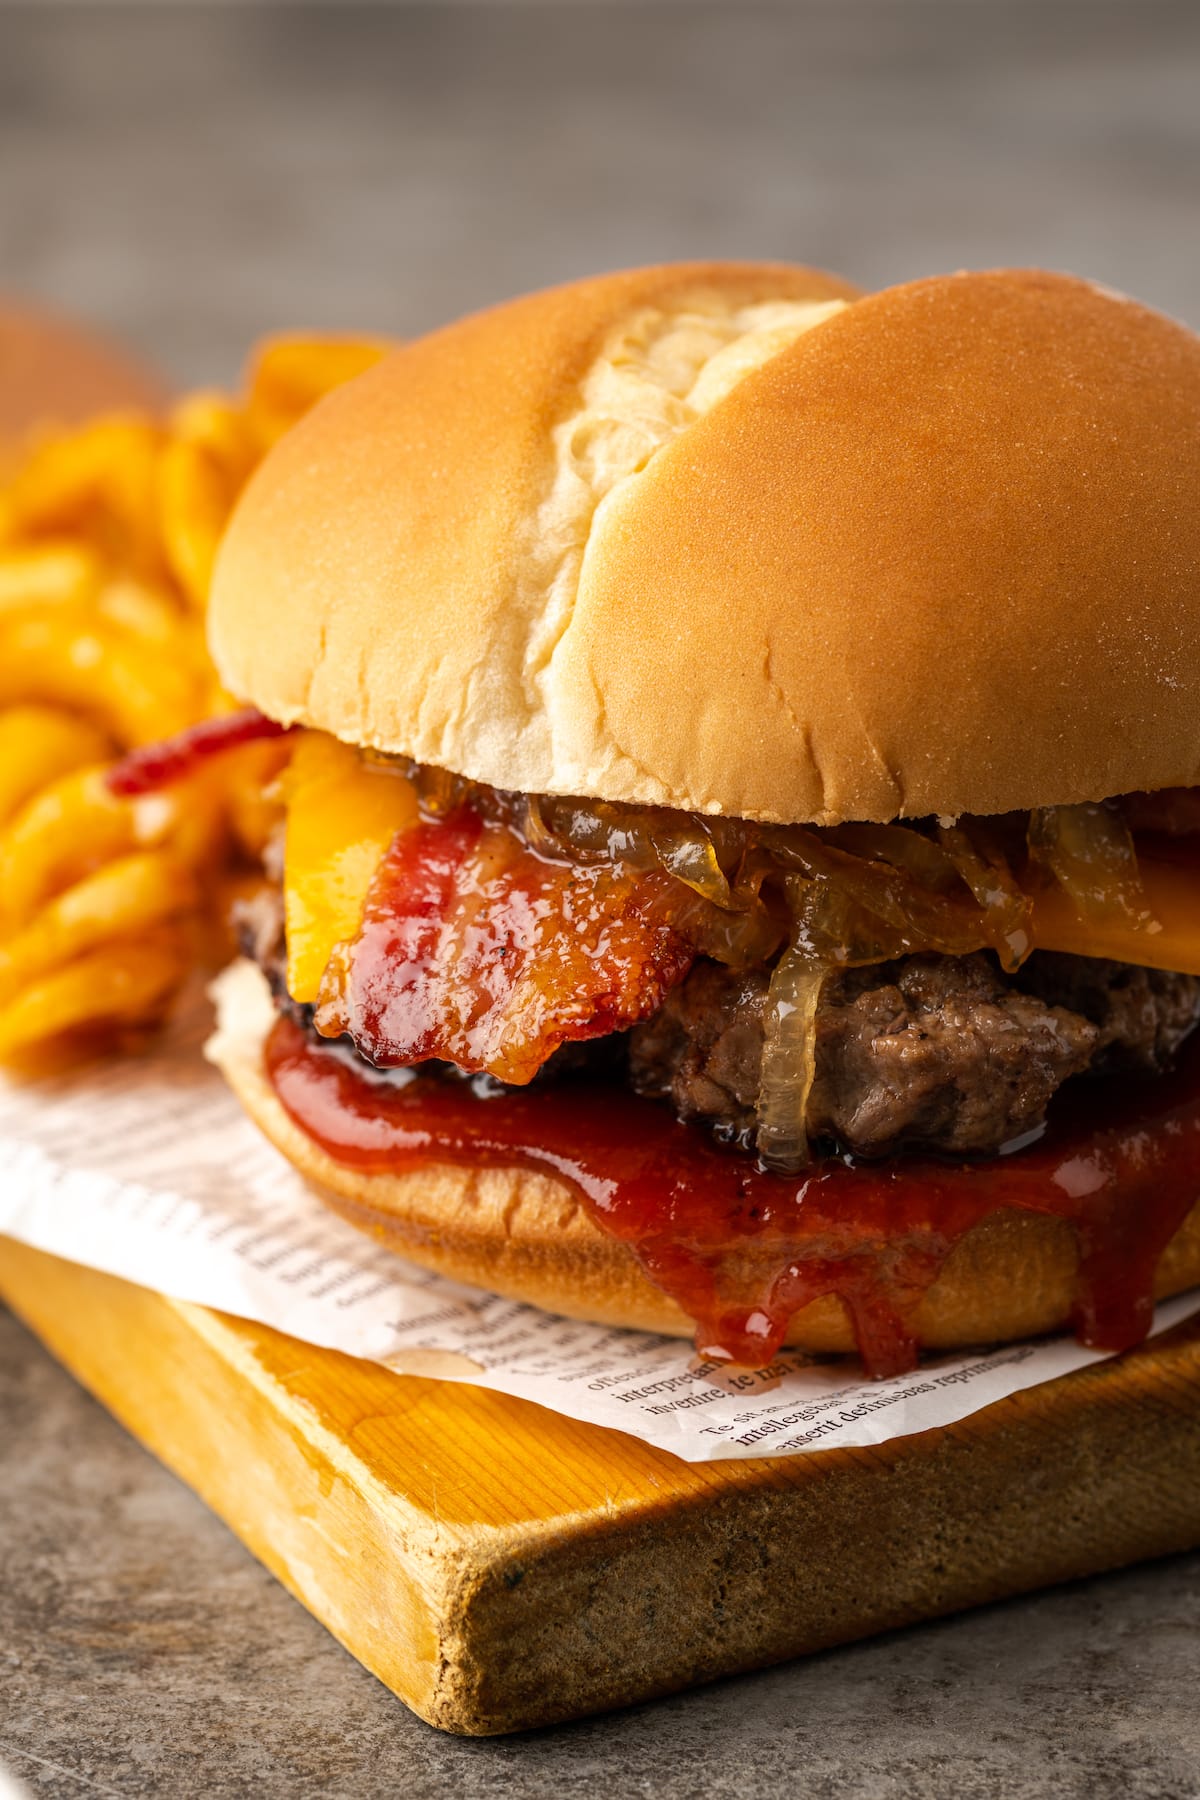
(741, 871)
(55, 372)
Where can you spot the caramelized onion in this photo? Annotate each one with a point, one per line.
(689, 854)
(535, 830)
(788, 1059)
(830, 926)
(737, 939)
(905, 848)
(855, 894)
(983, 866)
(920, 918)
(869, 892)
(680, 844)
(599, 831)
(1089, 851)
(729, 921)
(439, 792)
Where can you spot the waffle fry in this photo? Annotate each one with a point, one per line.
(108, 534)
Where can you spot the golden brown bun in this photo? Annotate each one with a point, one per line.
(526, 1236)
(938, 553)
(55, 372)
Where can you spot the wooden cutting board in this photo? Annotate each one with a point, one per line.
(498, 1566)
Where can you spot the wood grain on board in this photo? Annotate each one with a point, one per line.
(499, 1566)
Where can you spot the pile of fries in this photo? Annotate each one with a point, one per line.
(107, 539)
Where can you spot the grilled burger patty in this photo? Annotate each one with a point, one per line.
(942, 1053)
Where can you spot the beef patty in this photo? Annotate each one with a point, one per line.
(942, 1053)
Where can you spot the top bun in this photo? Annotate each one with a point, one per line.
(55, 372)
(727, 538)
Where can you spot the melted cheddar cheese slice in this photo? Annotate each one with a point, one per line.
(1171, 882)
(342, 814)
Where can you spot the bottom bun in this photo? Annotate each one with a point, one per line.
(526, 1235)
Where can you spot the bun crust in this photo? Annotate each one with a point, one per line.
(933, 551)
(525, 1235)
(56, 372)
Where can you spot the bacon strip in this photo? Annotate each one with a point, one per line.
(158, 765)
(477, 951)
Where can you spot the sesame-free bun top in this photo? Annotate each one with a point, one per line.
(56, 372)
(728, 538)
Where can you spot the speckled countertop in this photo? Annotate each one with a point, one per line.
(193, 176)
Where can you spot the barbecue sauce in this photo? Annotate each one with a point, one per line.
(690, 1209)
(474, 950)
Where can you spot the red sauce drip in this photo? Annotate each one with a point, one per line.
(476, 950)
(876, 1235)
(158, 765)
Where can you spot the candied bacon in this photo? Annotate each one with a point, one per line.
(476, 950)
(156, 766)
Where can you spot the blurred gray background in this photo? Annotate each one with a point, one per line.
(193, 177)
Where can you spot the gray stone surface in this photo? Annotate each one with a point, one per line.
(193, 177)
